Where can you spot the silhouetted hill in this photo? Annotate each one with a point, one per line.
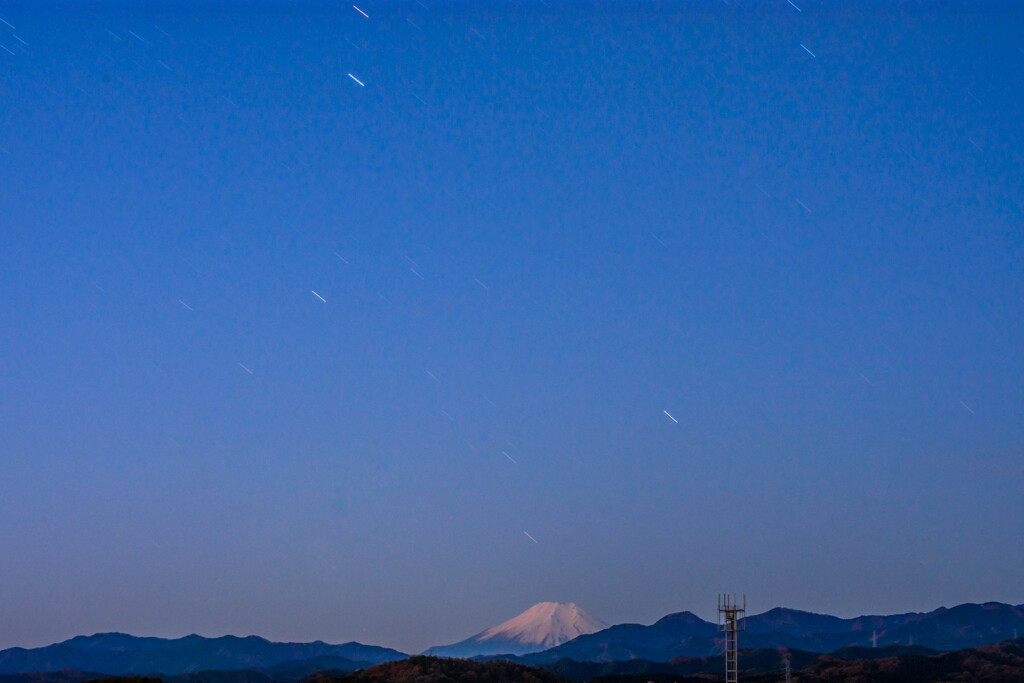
(233, 676)
(968, 625)
(795, 622)
(1000, 663)
(675, 635)
(858, 652)
(121, 654)
(66, 676)
(286, 672)
(424, 669)
(751, 662)
(659, 678)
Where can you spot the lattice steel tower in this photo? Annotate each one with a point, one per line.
(731, 620)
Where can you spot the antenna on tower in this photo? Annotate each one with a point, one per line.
(731, 620)
(787, 668)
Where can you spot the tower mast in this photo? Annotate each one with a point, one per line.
(730, 615)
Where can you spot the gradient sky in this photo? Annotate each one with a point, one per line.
(700, 296)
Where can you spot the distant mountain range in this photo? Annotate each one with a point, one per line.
(670, 640)
(119, 653)
(686, 635)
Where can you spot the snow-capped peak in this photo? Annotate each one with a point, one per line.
(543, 626)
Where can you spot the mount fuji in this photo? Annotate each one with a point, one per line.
(543, 626)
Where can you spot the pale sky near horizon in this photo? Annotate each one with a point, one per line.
(383, 322)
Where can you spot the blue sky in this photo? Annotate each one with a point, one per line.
(311, 320)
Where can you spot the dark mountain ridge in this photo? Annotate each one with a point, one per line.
(675, 636)
(424, 669)
(687, 635)
(119, 653)
(635, 641)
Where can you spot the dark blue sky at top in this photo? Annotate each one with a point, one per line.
(285, 354)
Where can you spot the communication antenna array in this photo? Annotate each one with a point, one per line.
(731, 620)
